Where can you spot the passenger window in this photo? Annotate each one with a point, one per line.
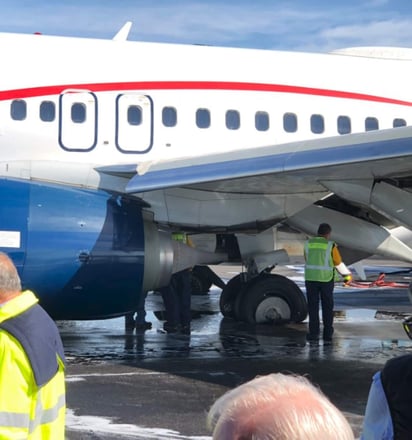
(78, 113)
(18, 110)
(371, 124)
(169, 116)
(290, 122)
(232, 119)
(399, 123)
(261, 121)
(203, 118)
(134, 115)
(317, 124)
(47, 111)
(344, 125)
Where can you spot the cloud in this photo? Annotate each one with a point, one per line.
(223, 23)
(376, 3)
(380, 33)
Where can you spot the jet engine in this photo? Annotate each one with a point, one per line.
(85, 254)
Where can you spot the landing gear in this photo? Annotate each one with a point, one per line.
(267, 298)
(229, 294)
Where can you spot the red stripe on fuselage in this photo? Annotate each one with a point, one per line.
(194, 85)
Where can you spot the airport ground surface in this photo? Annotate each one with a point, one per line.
(157, 386)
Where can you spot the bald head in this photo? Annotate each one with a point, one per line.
(10, 285)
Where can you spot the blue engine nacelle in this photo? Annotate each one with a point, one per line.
(85, 254)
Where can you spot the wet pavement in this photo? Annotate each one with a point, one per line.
(157, 386)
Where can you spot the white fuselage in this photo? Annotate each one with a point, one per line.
(68, 106)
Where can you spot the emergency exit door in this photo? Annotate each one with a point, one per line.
(134, 123)
(78, 120)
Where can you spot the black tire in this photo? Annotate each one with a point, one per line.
(272, 298)
(238, 307)
(229, 294)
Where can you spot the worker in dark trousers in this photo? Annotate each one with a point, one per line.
(321, 258)
(177, 296)
(138, 322)
(177, 300)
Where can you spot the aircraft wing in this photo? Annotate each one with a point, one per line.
(286, 168)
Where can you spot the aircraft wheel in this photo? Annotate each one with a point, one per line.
(272, 299)
(229, 294)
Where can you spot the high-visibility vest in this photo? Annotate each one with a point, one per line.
(179, 236)
(183, 238)
(319, 263)
(32, 387)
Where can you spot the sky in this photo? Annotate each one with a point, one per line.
(302, 25)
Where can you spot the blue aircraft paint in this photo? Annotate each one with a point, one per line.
(82, 252)
(14, 213)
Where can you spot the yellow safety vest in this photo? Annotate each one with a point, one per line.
(32, 387)
(319, 263)
(179, 236)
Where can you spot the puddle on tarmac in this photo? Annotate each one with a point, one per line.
(358, 336)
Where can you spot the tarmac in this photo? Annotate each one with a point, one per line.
(153, 385)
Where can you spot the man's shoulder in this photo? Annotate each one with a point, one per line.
(17, 305)
(319, 239)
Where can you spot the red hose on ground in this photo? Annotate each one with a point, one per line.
(379, 282)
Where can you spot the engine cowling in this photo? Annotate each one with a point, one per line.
(85, 254)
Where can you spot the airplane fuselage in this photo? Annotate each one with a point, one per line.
(96, 102)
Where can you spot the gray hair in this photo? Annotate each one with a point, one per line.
(277, 407)
(9, 278)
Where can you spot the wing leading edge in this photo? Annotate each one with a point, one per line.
(293, 167)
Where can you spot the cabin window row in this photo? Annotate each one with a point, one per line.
(47, 113)
(262, 121)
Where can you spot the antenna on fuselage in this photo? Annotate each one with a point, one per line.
(124, 32)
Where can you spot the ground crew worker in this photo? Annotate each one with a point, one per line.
(137, 320)
(177, 296)
(322, 257)
(32, 388)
